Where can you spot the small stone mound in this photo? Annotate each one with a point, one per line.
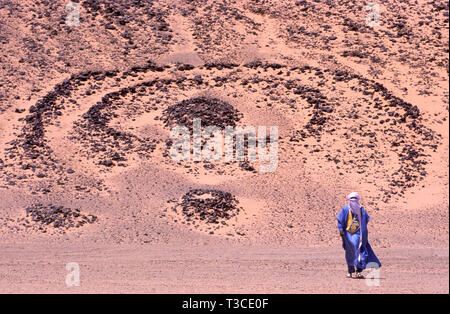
(210, 206)
(56, 217)
(211, 111)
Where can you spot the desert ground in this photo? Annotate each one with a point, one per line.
(91, 90)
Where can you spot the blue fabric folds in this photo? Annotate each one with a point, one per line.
(350, 242)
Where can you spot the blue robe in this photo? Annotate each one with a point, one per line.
(350, 242)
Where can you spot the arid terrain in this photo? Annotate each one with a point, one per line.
(89, 94)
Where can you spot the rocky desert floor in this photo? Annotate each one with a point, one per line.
(86, 174)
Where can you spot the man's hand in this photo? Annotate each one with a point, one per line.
(342, 232)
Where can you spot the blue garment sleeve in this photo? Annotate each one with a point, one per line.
(341, 220)
(367, 216)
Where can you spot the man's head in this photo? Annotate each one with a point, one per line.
(354, 196)
(353, 203)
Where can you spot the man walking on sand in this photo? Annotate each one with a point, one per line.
(352, 225)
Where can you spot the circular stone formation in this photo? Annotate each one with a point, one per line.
(372, 123)
(211, 111)
(56, 218)
(209, 206)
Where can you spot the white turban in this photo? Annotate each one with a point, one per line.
(353, 203)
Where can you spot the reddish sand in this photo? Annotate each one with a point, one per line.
(82, 125)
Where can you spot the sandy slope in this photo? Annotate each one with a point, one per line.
(83, 125)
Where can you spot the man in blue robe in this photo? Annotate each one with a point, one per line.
(352, 225)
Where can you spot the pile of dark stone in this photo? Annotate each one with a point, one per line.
(208, 205)
(56, 217)
(117, 14)
(220, 65)
(265, 66)
(211, 111)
